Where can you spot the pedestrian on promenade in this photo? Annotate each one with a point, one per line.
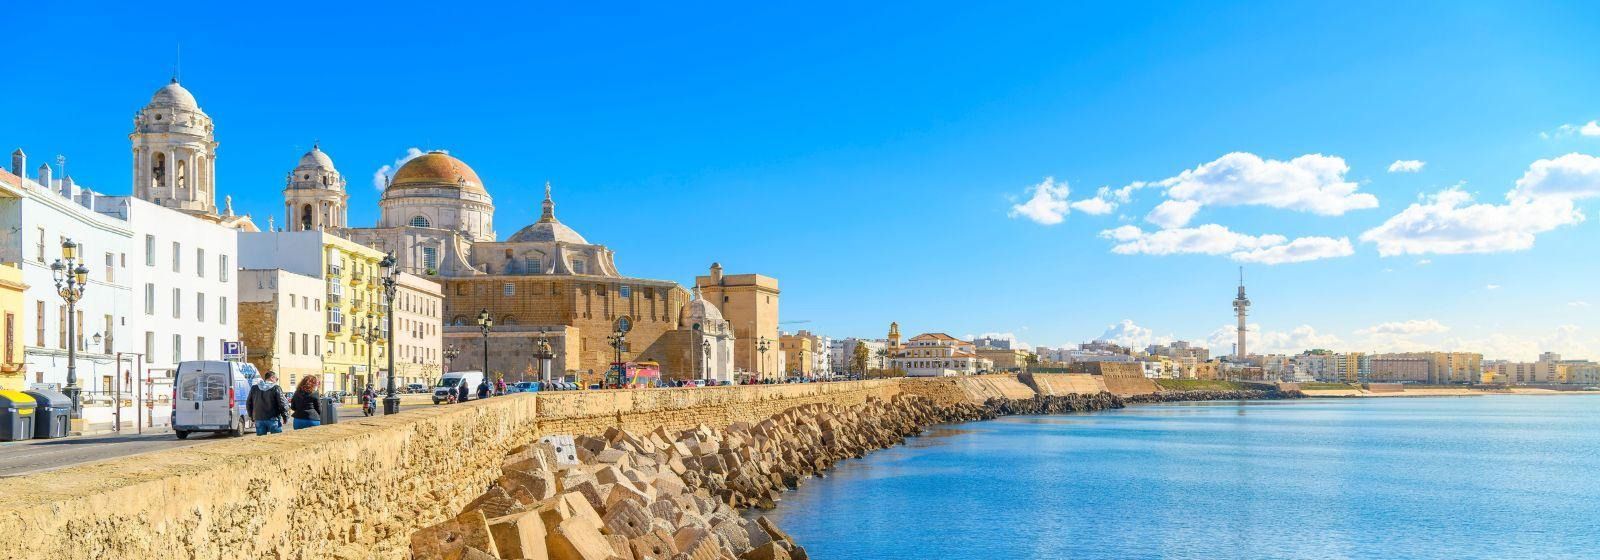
(306, 404)
(267, 405)
(483, 389)
(461, 391)
(500, 386)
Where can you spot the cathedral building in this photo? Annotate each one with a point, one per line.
(545, 283)
(174, 158)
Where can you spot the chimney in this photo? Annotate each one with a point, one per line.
(19, 163)
(44, 176)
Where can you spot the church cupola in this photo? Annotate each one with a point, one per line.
(174, 152)
(314, 194)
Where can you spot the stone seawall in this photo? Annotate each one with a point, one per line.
(352, 490)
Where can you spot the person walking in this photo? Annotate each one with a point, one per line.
(500, 386)
(266, 405)
(306, 404)
(462, 391)
(483, 389)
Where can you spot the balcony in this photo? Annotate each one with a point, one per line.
(334, 271)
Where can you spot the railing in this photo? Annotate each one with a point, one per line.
(335, 270)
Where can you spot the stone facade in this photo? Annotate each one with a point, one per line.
(750, 304)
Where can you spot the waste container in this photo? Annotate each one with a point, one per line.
(330, 411)
(16, 415)
(53, 415)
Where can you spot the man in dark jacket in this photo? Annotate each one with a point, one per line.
(266, 405)
(461, 391)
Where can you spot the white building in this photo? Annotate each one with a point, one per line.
(712, 335)
(282, 321)
(938, 355)
(184, 276)
(843, 352)
(417, 341)
(42, 217)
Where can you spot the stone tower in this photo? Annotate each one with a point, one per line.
(1241, 306)
(894, 335)
(174, 152)
(314, 196)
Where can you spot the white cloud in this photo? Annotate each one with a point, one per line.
(1126, 333)
(1591, 128)
(1173, 213)
(380, 178)
(1048, 205)
(1446, 223)
(1424, 262)
(1568, 340)
(1300, 250)
(1405, 328)
(1577, 303)
(1573, 176)
(1310, 183)
(1406, 166)
(1492, 287)
(1100, 205)
(1213, 239)
(1303, 337)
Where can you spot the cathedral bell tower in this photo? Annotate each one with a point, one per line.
(174, 152)
(314, 196)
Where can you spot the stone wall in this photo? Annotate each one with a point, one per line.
(971, 389)
(1062, 384)
(352, 490)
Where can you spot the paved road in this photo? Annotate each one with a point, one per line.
(32, 456)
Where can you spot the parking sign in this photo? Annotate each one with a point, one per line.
(232, 350)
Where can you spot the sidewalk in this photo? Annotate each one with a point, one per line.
(158, 423)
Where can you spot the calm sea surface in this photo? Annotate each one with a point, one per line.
(1448, 478)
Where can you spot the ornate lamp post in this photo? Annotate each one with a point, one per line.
(486, 323)
(705, 360)
(391, 401)
(450, 353)
(761, 346)
(618, 339)
(71, 278)
(543, 353)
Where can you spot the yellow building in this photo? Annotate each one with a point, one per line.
(356, 329)
(798, 355)
(12, 372)
(749, 302)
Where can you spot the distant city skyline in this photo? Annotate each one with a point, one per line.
(1417, 181)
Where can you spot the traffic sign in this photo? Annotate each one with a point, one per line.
(232, 350)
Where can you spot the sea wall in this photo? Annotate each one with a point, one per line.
(352, 490)
(1062, 384)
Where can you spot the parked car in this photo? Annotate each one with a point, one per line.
(450, 381)
(523, 387)
(416, 388)
(210, 395)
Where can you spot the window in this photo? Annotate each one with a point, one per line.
(292, 301)
(149, 298)
(316, 344)
(532, 265)
(200, 262)
(577, 267)
(222, 310)
(61, 327)
(303, 348)
(149, 250)
(626, 292)
(111, 267)
(199, 306)
(177, 257)
(509, 289)
(291, 342)
(199, 348)
(149, 347)
(11, 337)
(38, 324)
(430, 259)
(177, 303)
(222, 268)
(419, 221)
(40, 246)
(177, 348)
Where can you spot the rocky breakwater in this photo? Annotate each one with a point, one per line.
(1054, 404)
(665, 495)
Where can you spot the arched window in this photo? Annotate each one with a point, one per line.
(183, 174)
(158, 171)
(305, 217)
(459, 321)
(420, 221)
(508, 320)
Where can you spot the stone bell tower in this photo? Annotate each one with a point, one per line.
(314, 195)
(174, 152)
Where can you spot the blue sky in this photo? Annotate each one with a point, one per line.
(873, 157)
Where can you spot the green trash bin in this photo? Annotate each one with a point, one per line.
(53, 416)
(16, 415)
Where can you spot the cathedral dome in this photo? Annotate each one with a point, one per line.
(548, 228)
(173, 95)
(702, 312)
(316, 159)
(436, 170)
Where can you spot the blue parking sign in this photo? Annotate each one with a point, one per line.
(232, 349)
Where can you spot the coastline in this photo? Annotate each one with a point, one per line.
(1438, 392)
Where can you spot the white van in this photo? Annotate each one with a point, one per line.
(209, 396)
(450, 381)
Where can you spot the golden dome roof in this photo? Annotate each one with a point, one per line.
(433, 170)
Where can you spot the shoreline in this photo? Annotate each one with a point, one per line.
(1415, 393)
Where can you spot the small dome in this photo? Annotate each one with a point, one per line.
(316, 159)
(547, 231)
(173, 95)
(701, 311)
(436, 169)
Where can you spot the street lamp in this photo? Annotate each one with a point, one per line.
(450, 353)
(71, 278)
(543, 353)
(487, 324)
(761, 346)
(391, 401)
(618, 339)
(369, 335)
(705, 361)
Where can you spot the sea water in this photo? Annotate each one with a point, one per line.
(1446, 478)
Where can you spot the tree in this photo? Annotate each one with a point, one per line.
(858, 358)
